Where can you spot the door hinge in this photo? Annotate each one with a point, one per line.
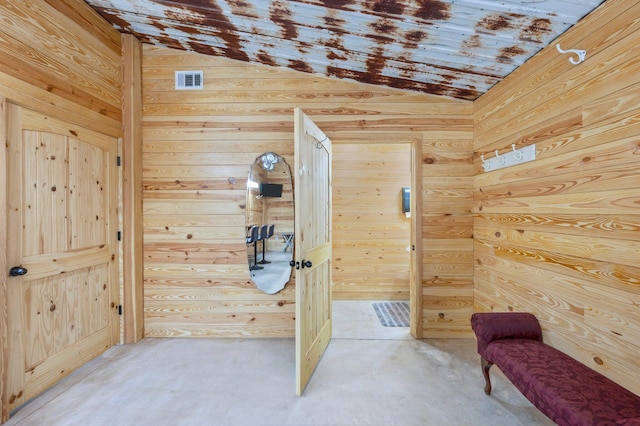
(119, 235)
(118, 161)
(119, 309)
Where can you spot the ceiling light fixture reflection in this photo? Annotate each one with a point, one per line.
(269, 160)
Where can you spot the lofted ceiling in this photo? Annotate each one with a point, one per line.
(454, 48)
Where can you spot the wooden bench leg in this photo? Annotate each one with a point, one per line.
(486, 365)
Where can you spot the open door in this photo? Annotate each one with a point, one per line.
(312, 174)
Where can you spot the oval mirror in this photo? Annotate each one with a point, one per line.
(269, 222)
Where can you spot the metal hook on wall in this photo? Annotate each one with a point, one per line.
(500, 158)
(582, 54)
(485, 164)
(518, 155)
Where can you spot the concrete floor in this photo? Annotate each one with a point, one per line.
(370, 375)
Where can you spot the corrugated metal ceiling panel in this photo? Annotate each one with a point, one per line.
(456, 48)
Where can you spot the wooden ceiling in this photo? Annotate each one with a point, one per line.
(453, 48)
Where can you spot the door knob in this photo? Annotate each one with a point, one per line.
(307, 264)
(17, 271)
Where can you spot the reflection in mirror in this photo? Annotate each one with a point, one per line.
(269, 223)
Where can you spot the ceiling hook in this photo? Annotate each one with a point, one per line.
(582, 54)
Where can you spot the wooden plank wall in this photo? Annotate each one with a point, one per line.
(447, 230)
(371, 234)
(59, 58)
(559, 236)
(198, 146)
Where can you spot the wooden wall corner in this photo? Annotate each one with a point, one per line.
(132, 188)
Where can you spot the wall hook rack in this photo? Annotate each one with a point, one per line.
(582, 54)
(516, 156)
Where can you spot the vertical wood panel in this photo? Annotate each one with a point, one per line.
(559, 236)
(45, 173)
(243, 111)
(38, 297)
(88, 183)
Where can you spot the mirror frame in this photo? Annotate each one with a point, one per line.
(269, 258)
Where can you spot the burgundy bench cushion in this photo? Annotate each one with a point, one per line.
(490, 326)
(567, 391)
(629, 422)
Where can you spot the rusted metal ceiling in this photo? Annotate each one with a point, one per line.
(455, 48)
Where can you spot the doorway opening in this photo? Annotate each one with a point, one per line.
(372, 235)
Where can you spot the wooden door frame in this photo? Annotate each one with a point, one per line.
(4, 335)
(415, 282)
(131, 190)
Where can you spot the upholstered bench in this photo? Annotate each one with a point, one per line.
(565, 390)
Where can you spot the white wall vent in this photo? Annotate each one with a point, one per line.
(189, 80)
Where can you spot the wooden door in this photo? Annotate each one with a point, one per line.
(312, 244)
(62, 230)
